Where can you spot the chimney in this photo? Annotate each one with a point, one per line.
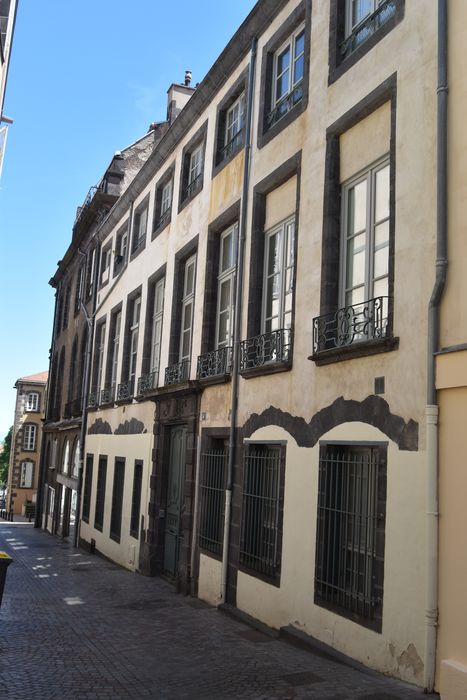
(178, 95)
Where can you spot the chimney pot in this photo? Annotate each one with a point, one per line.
(187, 77)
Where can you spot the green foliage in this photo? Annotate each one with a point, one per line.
(5, 457)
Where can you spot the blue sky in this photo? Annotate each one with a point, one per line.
(86, 79)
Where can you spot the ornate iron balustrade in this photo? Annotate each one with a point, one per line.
(125, 391)
(368, 26)
(285, 105)
(215, 363)
(234, 143)
(352, 324)
(147, 382)
(178, 372)
(191, 187)
(274, 347)
(93, 399)
(107, 395)
(163, 219)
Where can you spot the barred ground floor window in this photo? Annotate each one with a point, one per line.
(212, 496)
(349, 569)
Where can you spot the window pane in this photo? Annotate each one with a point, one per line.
(355, 296)
(357, 208)
(187, 317)
(283, 61)
(298, 70)
(381, 262)
(382, 234)
(355, 261)
(380, 288)
(223, 334)
(189, 278)
(382, 194)
(227, 252)
(299, 44)
(273, 254)
(360, 9)
(282, 86)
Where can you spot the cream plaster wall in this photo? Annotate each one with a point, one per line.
(280, 203)
(399, 649)
(365, 142)
(131, 448)
(209, 580)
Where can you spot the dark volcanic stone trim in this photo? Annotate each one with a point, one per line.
(373, 410)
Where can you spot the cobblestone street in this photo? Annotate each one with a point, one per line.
(77, 626)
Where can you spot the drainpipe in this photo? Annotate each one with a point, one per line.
(238, 322)
(432, 514)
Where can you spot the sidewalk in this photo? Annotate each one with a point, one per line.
(73, 626)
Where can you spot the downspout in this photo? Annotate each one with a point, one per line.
(238, 323)
(433, 346)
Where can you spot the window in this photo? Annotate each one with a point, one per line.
(126, 388)
(29, 437)
(188, 305)
(140, 225)
(66, 307)
(79, 289)
(87, 487)
(100, 493)
(121, 249)
(66, 458)
(99, 360)
(117, 500)
(261, 539)
(212, 496)
(350, 531)
(278, 277)
(32, 402)
(356, 26)
(288, 72)
(105, 264)
(156, 325)
(365, 245)
(163, 201)
(136, 498)
(112, 357)
(27, 471)
(284, 82)
(226, 287)
(192, 167)
(91, 261)
(75, 461)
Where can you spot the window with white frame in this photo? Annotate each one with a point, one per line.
(156, 325)
(100, 345)
(226, 287)
(357, 11)
(75, 469)
(135, 311)
(105, 264)
(90, 272)
(195, 165)
(234, 120)
(166, 198)
(26, 475)
(32, 402)
(121, 249)
(66, 458)
(140, 224)
(288, 72)
(365, 239)
(188, 304)
(278, 277)
(29, 436)
(114, 347)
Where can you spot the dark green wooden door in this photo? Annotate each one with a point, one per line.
(173, 523)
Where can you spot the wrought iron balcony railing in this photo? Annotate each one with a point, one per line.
(107, 395)
(125, 390)
(216, 363)
(352, 324)
(368, 26)
(235, 142)
(285, 105)
(93, 399)
(147, 382)
(268, 348)
(191, 187)
(163, 219)
(178, 372)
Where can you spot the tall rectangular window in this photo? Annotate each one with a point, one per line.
(278, 277)
(114, 344)
(261, 538)
(288, 72)
(226, 287)
(100, 493)
(87, 488)
(234, 120)
(156, 325)
(117, 500)
(135, 309)
(32, 402)
(350, 531)
(136, 498)
(212, 496)
(188, 304)
(121, 249)
(140, 225)
(99, 357)
(166, 198)
(195, 164)
(29, 436)
(26, 475)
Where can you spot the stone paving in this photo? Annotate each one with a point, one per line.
(74, 626)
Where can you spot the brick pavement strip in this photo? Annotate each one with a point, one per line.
(73, 626)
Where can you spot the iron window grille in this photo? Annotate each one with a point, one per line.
(216, 363)
(261, 536)
(287, 79)
(93, 399)
(268, 348)
(107, 396)
(136, 498)
(350, 532)
(178, 372)
(359, 29)
(212, 498)
(87, 488)
(117, 500)
(147, 382)
(100, 494)
(125, 390)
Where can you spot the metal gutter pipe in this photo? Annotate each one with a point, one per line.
(432, 563)
(238, 321)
